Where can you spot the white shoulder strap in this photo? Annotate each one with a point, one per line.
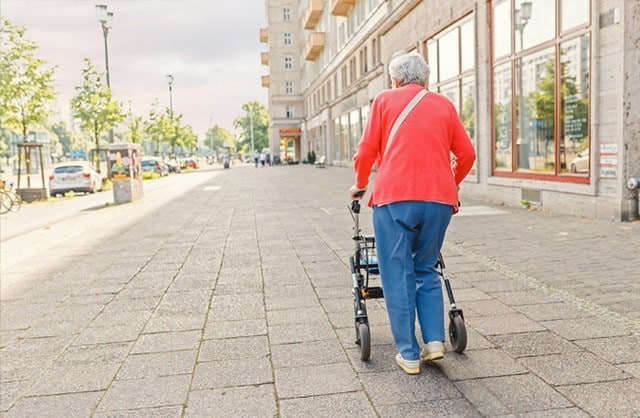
(405, 112)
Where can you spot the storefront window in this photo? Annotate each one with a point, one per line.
(432, 59)
(574, 100)
(448, 53)
(501, 32)
(502, 117)
(574, 13)
(354, 131)
(336, 139)
(541, 90)
(344, 137)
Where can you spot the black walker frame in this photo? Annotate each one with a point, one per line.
(364, 266)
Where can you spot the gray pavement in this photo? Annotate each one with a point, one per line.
(229, 295)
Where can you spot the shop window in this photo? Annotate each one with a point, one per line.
(541, 90)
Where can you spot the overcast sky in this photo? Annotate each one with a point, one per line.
(211, 47)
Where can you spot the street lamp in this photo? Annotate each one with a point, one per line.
(521, 18)
(105, 18)
(170, 83)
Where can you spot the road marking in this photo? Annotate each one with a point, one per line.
(326, 211)
(211, 188)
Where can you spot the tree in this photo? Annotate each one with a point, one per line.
(134, 127)
(26, 86)
(64, 137)
(158, 127)
(216, 137)
(94, 106)
(256, 115)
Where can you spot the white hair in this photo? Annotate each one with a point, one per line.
(408, 67)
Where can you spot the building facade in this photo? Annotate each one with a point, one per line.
(545, 88)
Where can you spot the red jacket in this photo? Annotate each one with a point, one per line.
(417, 165)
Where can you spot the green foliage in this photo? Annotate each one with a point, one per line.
(134, 127)
(256, 115)
(217, 136)
(158, 126)
(26, 86)
(94, 107)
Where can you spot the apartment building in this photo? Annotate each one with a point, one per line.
(545, 88)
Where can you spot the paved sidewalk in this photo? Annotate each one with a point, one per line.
(232, 298)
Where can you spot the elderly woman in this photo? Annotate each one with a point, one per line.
(415, 194)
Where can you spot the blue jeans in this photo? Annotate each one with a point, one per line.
(409, 236)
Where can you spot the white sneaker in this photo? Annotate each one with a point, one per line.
(409, 366)
(434, 350)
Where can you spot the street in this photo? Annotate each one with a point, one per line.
(228, 293)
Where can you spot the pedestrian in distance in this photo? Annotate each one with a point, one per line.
(413, 198)
(263, 158)
(256, 157)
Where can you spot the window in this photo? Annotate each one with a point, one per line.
(541, 89)
(287, 39)
(286, 14)
(288, 87)
(289, 112)
(451, 57)
(288, 62)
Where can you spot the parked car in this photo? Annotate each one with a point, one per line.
(580, 164)
(153, 164)
(76, 176)
(173, 166)
(191, 162)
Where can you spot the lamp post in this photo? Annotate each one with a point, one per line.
(521, 18)
(170, 83)
(104, 18)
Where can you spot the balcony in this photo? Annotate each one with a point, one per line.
(341, 7)
(264, 58)
(265, 81)
(314, 46)
(264, 35)
(313, 14)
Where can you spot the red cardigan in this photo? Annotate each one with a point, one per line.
(417, 165)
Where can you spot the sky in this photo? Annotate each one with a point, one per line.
(211, 47)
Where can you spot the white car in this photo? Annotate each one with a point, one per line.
(76, 176)
(580, 164)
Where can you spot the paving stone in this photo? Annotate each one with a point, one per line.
(65, 378)
(110, 334)
(167, 341)
(219, 374)
(235, 307)
(118, 318)
(632, 368)
(242, 401)
(300, 301)
(503, 324)
(572, 368)
(234, 348)
(65, 405)
(486, 308)
(95, 354)
(353, 404)
(476, 364)
(396, 387)
(139, 304)
(296, 316)
(581, 328)
(160, 412)
(294, 333)
(436, 408)
(550, 311)
(10, 392)
(146, 393)
(32, 347)
(14, 368)
(533, 344)
(307, 353)
(174, 322)
(522, 297)
(484, 401)
(614, 350)
(322, 379)
(550, 413)
(500, 285)
(619, 398)
(168, 363)
(232, 329)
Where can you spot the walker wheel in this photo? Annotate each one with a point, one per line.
(363, 340)
(457, 333)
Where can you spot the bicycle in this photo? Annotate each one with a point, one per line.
(9, 199)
